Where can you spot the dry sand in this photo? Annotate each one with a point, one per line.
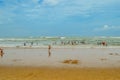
(44, 73)
(63, 64)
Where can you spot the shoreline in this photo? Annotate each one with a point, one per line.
(60, 46)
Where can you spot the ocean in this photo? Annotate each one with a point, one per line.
(44, 41)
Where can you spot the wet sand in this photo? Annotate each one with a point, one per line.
(84, 57)
(63, 64)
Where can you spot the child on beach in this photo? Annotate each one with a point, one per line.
(1, 52)
(49, 48)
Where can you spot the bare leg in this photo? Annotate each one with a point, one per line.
(49, 53)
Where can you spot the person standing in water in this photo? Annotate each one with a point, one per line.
(49, 50)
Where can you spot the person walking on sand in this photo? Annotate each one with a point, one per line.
(1, 52)
(49, 50)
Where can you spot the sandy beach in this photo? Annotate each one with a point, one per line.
(93, 63)
(86, 57)
(59, 40)
(46, 73)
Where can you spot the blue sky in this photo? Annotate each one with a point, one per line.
(59, 18)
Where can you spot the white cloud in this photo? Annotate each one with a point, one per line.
(62, 9)
(107, 28)
(51, 2)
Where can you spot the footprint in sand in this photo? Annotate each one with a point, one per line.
(71, 61)
(114, 54)
(103, 59)
(74, 62)
(16, 60)
(67, 61)
(110, 53)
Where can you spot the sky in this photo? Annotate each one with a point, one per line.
(20, 18)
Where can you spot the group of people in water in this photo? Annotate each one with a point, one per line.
(28, 43)
(67, 42)
(72, 42)
(49, 46)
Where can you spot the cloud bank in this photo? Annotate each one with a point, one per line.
(81, 15)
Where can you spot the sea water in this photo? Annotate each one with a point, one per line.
(44, 41)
